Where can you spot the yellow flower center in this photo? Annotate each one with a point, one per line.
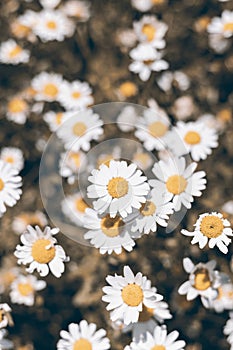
(76, 95)
(1, 184)
(81, 205)
(111, 227)
(25, 289)
(118, 187)
(20, 30)
(157, 129)
(51, 25)
(42, 251)
(128, 89)
(225, 115)
(76, 158)
(132, 294)
(158, 347)
(176, 184)
(16, 105)
(59, 118)
(211, 226)
(228, 27)
(82, 344)
(9, 159)
(146, 314)
(149, 31)
(202, 279)
(148, 208)
(79, 129)
(2, 315)
(192, 138)
(15, 51)
(50, 90)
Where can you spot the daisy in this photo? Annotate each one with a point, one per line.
(219, 43)
(21, 221)
(183, 107)
(80, 129)
(74, 207)
(150, 30)
(145, 5)
(77, 9)
(126, 39)
(224, 299)
(178, 182)
(10, 183)
(23, 289)
(53, 25)
(178, 78)
(41, 251)
(212, 229)
(228, 330)
(146, 59)
(203, 280)
(118, 187)
(152, 129)
(47, 86)
(22, 26)
(196, 139)
(71, 165)
(12, 53)
(5, 343)
(5, 315)
(127, 119)
(159, 339)
(75, 95)
(49, 4)
(17, 110)
(55, 119)
(142, 159)
(127, 295)
(108, 234)
(222, 25)
(13, 156)
(127, 90)
(83, 336)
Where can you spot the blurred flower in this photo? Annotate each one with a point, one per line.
(12, 53)
(178, 78)
(222, 25)
(41, 251)
(183, 107)
(127, 119)
(21, 221)
(224, 299)
(17, 110)
(126, 90)
(13, 156)
(212, 122)
(75, 95)
(5, 315)
(105, 158)
(22, 26)
(228, 207)
(74, 207)
(219, 43)
(228, 330)
(7, 276)
(71, 165)
(142, 159)
(49, 4)
(202, 23)
(5, 343)
(126, 38)
(146, 5)
(78, 9)
(55, 119)
(47, 86)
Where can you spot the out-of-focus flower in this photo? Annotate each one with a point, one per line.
(142, 159)
(202, 23)
(127, 119)
(126, 90)
(41, 251)
(5, 343)
(22, 26)
(47, 86)
(228, 330)
(13, 156)
(5, 315)
(7, 276)
(83, 336)
(126, 38)
(17, 110)
(183, 107)
(224, 299)
(24, 219)
(177, 78)
(71, 164)
(77, 9)
(49, 4)
(219, 43)
(228, 207)
(105, 158)
(222, 25)
(146, 5)
(55, 119)
(74, 207)
(75, 95)
(12, 53)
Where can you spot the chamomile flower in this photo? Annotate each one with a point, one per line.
(17, 110)
(146, 5)
(222, 25)
(5, 315)
(77, 9)
(178, 78)
(212, 229)
(21, 221)
(146, 59)
(219, 43)
(152, 129)
(53, 25)
(197, 139)
(80, 129)
(49, 4)
(83, 336)
(10, 183)
(13, 53)
(118, 187)
(127, 295)
(75, 95)
(23, 289)
(71, 164)
(41, 251)
(150, 30)
(55, 119)
(159, 339)
(5, 343)
(13, 156)
(74, 207)
(224, 299)
(47, 86)
(203, 280)
(23, 25)
(142, 159)
(178, 182)
(228, 330)
(127, 119)
(183, 107)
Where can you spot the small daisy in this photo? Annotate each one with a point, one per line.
(71, 165)
(13, 156)
(146, 60)
(197, 139)
(21, 221)
(118, 187)
(47, 86)
(127, 90)
(212, 229)
(178, 182)
(145, 5)
(150, 30)
(142, 159)
(126, 39)
(159, 339)
(10, 183)
(53, 25)
(74, 207)
(49, 4)
(127, 119)
(224, 299)
(17, 110)
(75, 95)
(183, 107)
(83, 336)
(56, 119)
(5, 315)
(23, 25)
(41, 251)
(77, 9)
(5, 343)
(23, 289)
(108, 234)
(219, 43)
(228, 330)
(222, 25)
(12, 53)
(152, 129)
(80, 129)
(127, 295)
(203, 280)
(177, 78)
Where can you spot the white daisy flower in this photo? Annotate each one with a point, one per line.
(56, 119)
(152, 129)
(47, 86)
(158, 340)
(75, 95)
(21, 221)
(78, 9)
(71, 165)
(41, 251)
(146, 60)
(5, 343)
(49, 4)
(150, 30)
(222, 25)
(228, 330)
(127, 119)
(74, 207)
(224, 299)
(22, 26)
(212, 229)
(53, 25)
(178, 78)
(183, 107)
(108, 234)
(203, 280)
(127, 295)
(126, 39)
(80, 129)
(118, 187)
(219, 43)
(13, 156)
(17, 110)
(23, 289)
(5, 315)
(12, 53)
(145, 5)
(195, 138)
(178, 182)
(142, 159)
(83, 336)
(10, 183)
